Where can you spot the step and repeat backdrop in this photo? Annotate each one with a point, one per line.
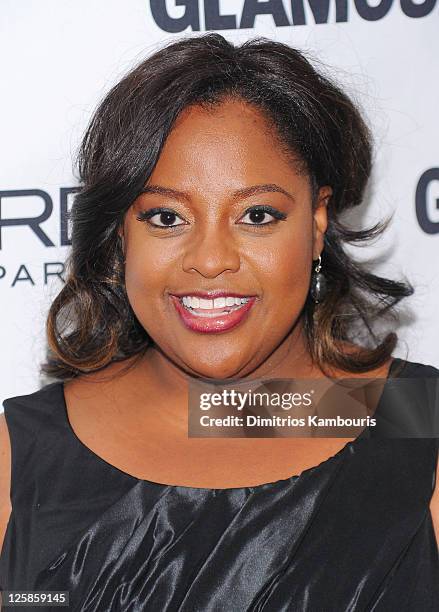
(60, 57)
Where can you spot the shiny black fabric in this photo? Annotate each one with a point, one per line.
(353, 533)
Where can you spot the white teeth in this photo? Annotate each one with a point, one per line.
(205, 304)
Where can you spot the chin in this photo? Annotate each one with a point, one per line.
(216, 371)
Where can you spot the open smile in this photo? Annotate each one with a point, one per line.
(212, 314)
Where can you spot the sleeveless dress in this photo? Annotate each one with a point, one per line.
(352, 533)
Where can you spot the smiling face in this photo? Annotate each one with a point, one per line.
(226, 215)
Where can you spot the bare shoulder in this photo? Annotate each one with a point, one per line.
(95, 405)
(5, 477)
(86, 398)
(94, 388)
(434, 505)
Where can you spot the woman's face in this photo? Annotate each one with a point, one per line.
(218, 268)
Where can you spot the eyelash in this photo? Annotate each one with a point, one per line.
(146, 215)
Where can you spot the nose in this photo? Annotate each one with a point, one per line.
(210, 252)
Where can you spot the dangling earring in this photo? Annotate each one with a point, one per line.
(319, 284)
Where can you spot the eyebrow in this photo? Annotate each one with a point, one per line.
(239, 194)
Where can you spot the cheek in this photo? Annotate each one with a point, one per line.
(147, 272)
(284, 270)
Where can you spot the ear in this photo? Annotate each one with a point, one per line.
(320, 222)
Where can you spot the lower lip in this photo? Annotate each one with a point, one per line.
(212, 324)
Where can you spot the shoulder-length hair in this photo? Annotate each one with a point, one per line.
(91, 323)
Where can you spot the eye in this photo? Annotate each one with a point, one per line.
(163, 217)
(259, 215)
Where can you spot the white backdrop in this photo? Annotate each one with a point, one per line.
(59, 57)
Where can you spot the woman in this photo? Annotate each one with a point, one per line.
(207, 245)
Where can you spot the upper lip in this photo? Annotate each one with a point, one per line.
(214, 293)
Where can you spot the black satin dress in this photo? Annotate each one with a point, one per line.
(353, 533)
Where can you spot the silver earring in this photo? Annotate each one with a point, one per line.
(319, 283)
